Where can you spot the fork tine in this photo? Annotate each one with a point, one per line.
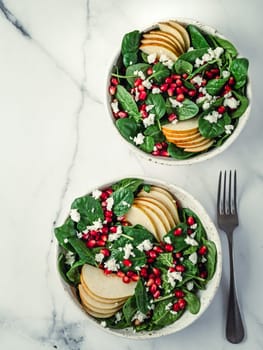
(219, 193)
(235, 192)
(224, 195)
(230, 200)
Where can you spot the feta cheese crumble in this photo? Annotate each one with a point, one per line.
(225, 74)
(113, 236)
(151, 58)
(228, 129)
(138, 140)
(197, 80)
(145, 245)
(156, 90)
(175, 103)
(193, 258)
(70, 258)
(209, 56)
(99, 257)
(140, 74)
(110, 202)
(117, 317)
(190, 241)
(149, 120)
(167, 240)
(190, 285)
(231, 102)
(75, 215)
(128, 251)
(213, 117)
(96, 225)
(174, 276)
(103, 324)
(166, 61)
(115, 106)
(112, 265)
(149, 107)
(146, 83)
(139, 316)
(96, 194)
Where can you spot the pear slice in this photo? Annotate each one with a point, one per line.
(183, 137)
(184, 126)
(159, 42)
(136, 216)
(166, 38)
(171, 202)
(199, 148)
(166, 27)
(161, 230)
(145, 202)
(181, 29)
(98, 314)
(158, 50)
(196, 143)
(106, 286)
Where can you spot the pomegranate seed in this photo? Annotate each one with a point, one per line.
(164, 153)
(189, 231)
(127, 262)
(221, 109)
(179, 82)
(143, 107)
(137, 82)
(172, 269)
(159, 145)
(156, 153)
(192, 93)
(152, 254)
(105, 252)
(142, 95)
(169, 247)
(113, 229)
(179, 90)
(91, 243)
(150, 71)
(104, 204)
(203, 274)
(182, 303)
(190, 221)
(204, 82)
(179, 268)
(231, 81)
(168, 80)
(209, 74)
(158, 249)
(122, 114)
(178, 255)
(112, 90)
(156, 294)
(227, 89)
(144, 272)
(153, 288)
(135, 277)
(170, 91)
(180, 97)
(158, 281)
(101, 243)
(185, 76)
(93, 233)
(150, 282)
(165, 144)
(202, 250)
(85, 236)
(156, 271)
(108, 219)
(150, 260)
(126, 279)
(176, 76)
(176, 307)
(104, 237)
(214, 70)
(178, 231)
(164, 87)
(120, 274)
(107, 272)
(141, 88)
(179, 293)
(185, 90)
(130, 273)
(114, 81)
(104, 196)
(104, 230)
(144, 114)
(108, 213)
(172, 117)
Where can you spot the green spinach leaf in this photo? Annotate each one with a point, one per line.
(182, 66)
(130, 183)
(214, 86)
(244, 102)
(160, 72)
(141, 297)
(188, 110)
(226, 45)
(239, 69)
(193, 302)
(211, 258)
(73, 273)
(142, 67)
(198, 41)
(178, 153)
(155, 132)
(130, 47)
(123, 199)
(128, 128)
(148, 144)
(191, 56)
(158, 102)
(85, 254)
(165, 259)
(163, 317)
(127, 102)
(129, 309)
(64, 232)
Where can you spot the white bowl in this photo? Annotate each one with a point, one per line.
(200, 157)
(206, 296)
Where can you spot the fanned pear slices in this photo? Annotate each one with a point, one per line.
(159, 49)
(184, 127)
(181, 29)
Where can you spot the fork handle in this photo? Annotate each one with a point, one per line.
(234, 326)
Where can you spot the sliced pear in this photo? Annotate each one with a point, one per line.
(183, 137)
(166, 27)
(166, 38)
(196, 143)
(145, 202)
(161, 230)
(181, 29)
(158, 50)
(199, 148)
(106, 286)
(159, 42)
(98, 314)
(181, 127)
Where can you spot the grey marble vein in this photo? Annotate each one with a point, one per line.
(13, 20)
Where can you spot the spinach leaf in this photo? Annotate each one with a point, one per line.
(129, 309)
(239, 69)
(244, 102)
(191, 269)
(198, 41)
(160, 72)
(138, 233)
(165, 259)
(123, 199)
(191, 56)
(182, 66)
(200, 231)
(158, 102)
(127, 102)
(141, 297)
(188, 110)
(163, 317)
(214, 86)
(155, 132)
(85, 254)
(226, 45)
(62, 267)
(201, 69)
(128, 128)
(211, 130)
(64, 232)
(147, 188)
(111, 322)
(178, 153)
(211, 258)
(130, 47)
(178, 241)
(90, 210)
(73, 273)
(193, 302)
(148, 144)
(135, 67)
(130, 183)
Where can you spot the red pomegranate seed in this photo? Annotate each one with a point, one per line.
(179, 90)
(135, 277)
(126, 279)
(190, 221)
(108, 219)
(85, 236)
(143, 107)
(185, 90)
(182, 303)
(203, 274)
(141, 88)
(101, 243)
(179, 293)
(180, 97)
(153, 288)
(221, 109)
(158, 249)
(129, 273)
(185, 76)
(137, 82)
(114, 81)
(157, 294)
(150, 282)
(202, 250)
(231, 81)
(168, 80)
(214, 71)
(127, 262)
(176, 76)
(120, 274)
(144, 114)
(108, 213)
(152, 254)
(172, 117)
(169, 247)
(104, 230)
(164, 153)
(150, 260)
(156, 271)
(165, 144)
(227, 89)
(112, 90)
(150, 71)
(170, 91)
(178, 231)
(93, 233)
(104, 237)
(179, 82)
(104, 204)
(113, 229)
(179, 268)
(144, 272)
(105, 252)
(204, 82)
(122, 114)
(158, 281)
(156, 153)
(178, 255)
(91, 243)
(142, 95)
(176, 307)
(104, 196)
(164, 87)
(192, 93)
(107, 272)
(159, 145)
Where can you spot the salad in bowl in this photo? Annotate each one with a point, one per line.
(140, 257)
(178, 92)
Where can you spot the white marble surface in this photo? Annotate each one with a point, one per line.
(57, 143)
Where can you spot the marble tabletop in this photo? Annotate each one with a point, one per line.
(57, 143)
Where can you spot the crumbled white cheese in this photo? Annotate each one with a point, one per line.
(194, 226)
(118, 317)
(79, 235)
(139, 316)
(225, 74)
(149, 107)
(96, 225)
(65, 240)
(137, 95)
(231, 102)
(103, 324)
(113, 236)
(115, 106)
(229, 94)
(138, 140)
(166, 61)
(197, 80)
(128, 251)
(112, 265)
(209, 56)
(228, 129)
(126, 204)
(151, 58)
(99, 257)
(140, 74)
(75, 215)
(149, 120)
(96, 194)
(70, 258)
(213, 117)
(190, 241)
(190, 285)
(168, 306)
(218, 51)
(193, 258)
(203, 259)
(174, 276)
(175, 103)
(145, 245)
(167, 240)
(110, 202)
(156, 90)
(190, 49)
(146, 83)
(206, 105)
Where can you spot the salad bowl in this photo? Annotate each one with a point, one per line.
(178, 92)
(157, 270)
